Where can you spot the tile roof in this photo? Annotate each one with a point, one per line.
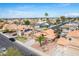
(10, 26)
(63, 41)
(74, 33)
(48, 33)
(21, 27)
(75, 43)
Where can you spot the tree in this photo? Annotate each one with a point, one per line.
(69, 18)
(1, 20)
(58, 31)
(41, 39)
(46, 14)
(62, 18)
(16, 22)
(47, 19)
(78, 27)
(27, 22)
(57, 21)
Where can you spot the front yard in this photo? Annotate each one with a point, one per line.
(21, 38)
(11, 52)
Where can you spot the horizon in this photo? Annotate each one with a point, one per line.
(32, 10)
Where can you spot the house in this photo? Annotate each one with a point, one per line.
(44, 25)
(63, 41)
(10, 27)
(1, 24)
(75, 43)
(24, 30)
(72, 39)
(21, 29)
(68, 27)
(10, 21)
(49, 34)
(73, 36)
(40, 24)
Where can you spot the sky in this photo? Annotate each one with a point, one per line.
(24, 10)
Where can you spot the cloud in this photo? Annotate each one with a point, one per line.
(60, 5)
(19, 14)
(66, 4)
(72, 14)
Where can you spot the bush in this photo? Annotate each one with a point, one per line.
(13, 52)
(21, 38)
(27, 22)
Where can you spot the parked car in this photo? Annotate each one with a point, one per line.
(2, 49)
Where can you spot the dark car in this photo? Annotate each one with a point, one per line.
(12, 39)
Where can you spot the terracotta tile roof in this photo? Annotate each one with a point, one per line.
(75, 43)
(37, 34)
(10, 26)
(74, 33)
(63, 41)
(21, 27)
(48, 33)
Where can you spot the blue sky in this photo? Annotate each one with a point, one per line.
(16, 10)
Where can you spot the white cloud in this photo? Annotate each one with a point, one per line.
(72, 14)
(18, 14)
(66, 4)
(63, 5)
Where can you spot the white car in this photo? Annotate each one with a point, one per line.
(3, 49)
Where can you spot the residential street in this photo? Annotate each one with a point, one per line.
(5, 42)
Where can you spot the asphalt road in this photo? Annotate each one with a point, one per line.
(58, 26)
(5, 42)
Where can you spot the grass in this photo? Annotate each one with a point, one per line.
(12, 52)
(21, 38)
(1, 30)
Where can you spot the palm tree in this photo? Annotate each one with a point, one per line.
(46, 14)
(47, 19)
(41, 39)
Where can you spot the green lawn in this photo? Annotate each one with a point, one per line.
(21, 38)
(1, 30)
(11, 52)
